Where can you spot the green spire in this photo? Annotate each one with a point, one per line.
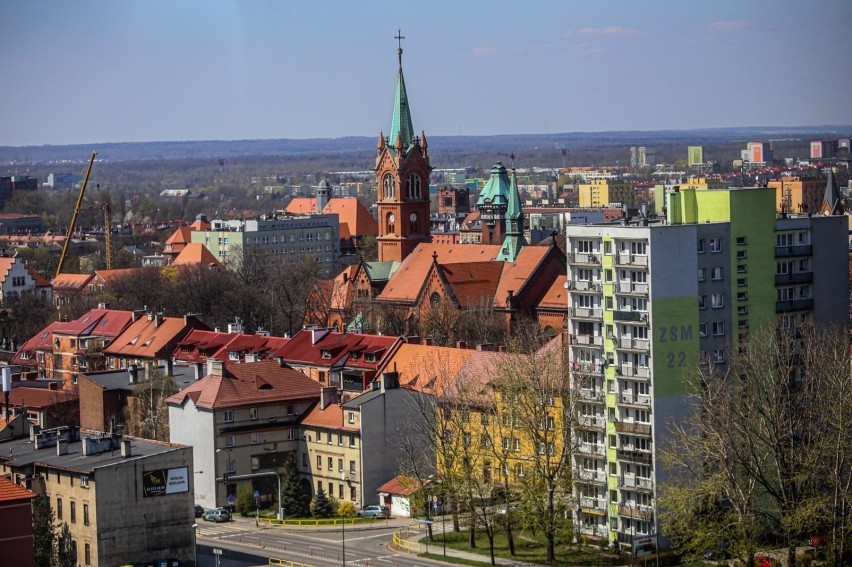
(401, 123)
(514, 240)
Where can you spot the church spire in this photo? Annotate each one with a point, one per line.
(401, 123)
(514, 240)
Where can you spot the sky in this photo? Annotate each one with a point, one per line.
(165, 70)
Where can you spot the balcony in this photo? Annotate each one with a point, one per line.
(628, 259)
(633, 482)
(630, 316)
(794, 305)
(631, 288)
(587, 313)
(633, 428)
(634, 400)
(635, 371)
(791, 251)
(592, 505)
(636, 511)
(591, 422)
(591, 395)
(594, 449)
(584, 259)
(642, 457)
(629, 343)
(593, 340)
(585, 475)
(794, 278)
(584, 285)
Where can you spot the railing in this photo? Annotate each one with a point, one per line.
(587, 312)
(313, 523)
(794, 305)
(638, 512)
(593, 503)
(589, 421)
(633, 427)
(591, 476)
(788, 251)
(632, 316)
(636, 400)
(584, 285)
(583, 258)
(400, 542)
(635, 371)
(630, 481)
(634, 344)
(628, 259)
(591, 395)
(794, 278)
(643, 457)
(587, 368)
(591, 449)
(596, 340)
(632, 287)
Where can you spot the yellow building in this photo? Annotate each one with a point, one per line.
(798, 195)
(602, 192)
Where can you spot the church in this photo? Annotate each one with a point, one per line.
(414, 275)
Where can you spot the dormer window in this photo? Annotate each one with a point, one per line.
(233, 355)
(325, 354)
(370, 357)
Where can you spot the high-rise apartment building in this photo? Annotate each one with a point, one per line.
(649, 300)
(602, 192)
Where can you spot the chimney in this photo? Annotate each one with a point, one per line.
(413, 340)
(501, 348)
(168, 367)
(390, 380)
(103, 305)
(427, 341)
(328, 396)
(61, 447)
(158, 319)
(133, 373)
(485, 346)
(150, 316)
(125, 448)
(461, 344)
(214, 367)
(251, 357)
(53, 386)
(199, 370)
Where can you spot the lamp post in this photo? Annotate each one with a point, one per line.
(348, 481)
(227, 472)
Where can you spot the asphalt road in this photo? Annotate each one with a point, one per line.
(318, 548)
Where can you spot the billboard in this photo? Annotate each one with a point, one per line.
(645, 546)
(695, 155)
(165, 481)
(816, 150)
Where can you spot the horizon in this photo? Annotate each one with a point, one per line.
(160, 72)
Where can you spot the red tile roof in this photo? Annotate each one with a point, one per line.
(180, 238)
(39, 397)
(195, 253)
(345, 349)
(11, 492)
(517, 274)
(149, 335)
(557, 296)
(402, 485)
(40, 280)
(71, 281)
(43, 341)
(354, 218)
(97, 323)
(427, 368)
(199, 345)
(108, 276)
(473, 283)
(247, 384)
(331, 418)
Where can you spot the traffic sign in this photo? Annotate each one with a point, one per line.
(257, 493)
(435, 499)
(217, 551)
(231, 498)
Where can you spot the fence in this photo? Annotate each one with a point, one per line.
(285, 563)
(400, 541)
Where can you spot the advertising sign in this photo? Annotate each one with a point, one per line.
(644, 546)
(165, 481)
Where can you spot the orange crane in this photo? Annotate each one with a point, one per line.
(77, 209)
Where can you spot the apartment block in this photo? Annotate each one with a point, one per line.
(650, 299)
(602, 192)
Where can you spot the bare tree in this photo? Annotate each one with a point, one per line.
(147, 415)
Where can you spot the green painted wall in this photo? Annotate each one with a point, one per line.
(675, 343)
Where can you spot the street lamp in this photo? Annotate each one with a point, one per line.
(227, 471)
(348, 481)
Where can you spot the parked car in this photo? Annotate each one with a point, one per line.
(374, 511)
(511, 508)
(818, 540)
(199, 511)
(218, 515)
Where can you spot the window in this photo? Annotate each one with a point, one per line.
(702, 302)
(701, 246)
(718, 328)
(351, 417)
(613, 496)
(607, 247)
(319, 462)
(304, 459)
(717, 300)
(340, 439)
(340, 465)
(253, 413)
(519, 470)
(229, 416)
(612, 438)
(88, 554)
(84, 481)
(340, 490)
(741, 282)
(330, 463)
(321, 374)
(702, 330)
(59, 508)
(255, 438)
(715, 245)
(717, 273)
(73, 512)
(742, 268)
(319, 436)
(388, 184)
(351, 467)
(741, 255)
(784, 239)
(229, 441)
(702, 274)
(741, 241)
(351, 440)
(613, 469)
(506, 443)
(516, 444)
(85, 514)
(330, 438)
(291, 409)
(291, 434)
(718, 356)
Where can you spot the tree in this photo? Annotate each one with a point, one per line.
(762, 454)
(44, 532)
(321, 507)
(245, 500)
(368, 246)
(147, 414)
(295, 499)
(345, 509)
(65, 552)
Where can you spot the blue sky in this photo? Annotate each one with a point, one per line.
(94, 71)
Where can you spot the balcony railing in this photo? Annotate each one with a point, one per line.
(635, 482)
(635, 371)
(584, 258)
(634, 344)
(634, 400)
(628, 259)
(632, 288)
(794, 278)
(591, 421)
(633, 427)
(638, 512)
(794, 305)
(591, 395)
(596, 340)
(591, 449)
(789, 251)
(590, 368)
(584, 285)
(587, 312)
(643, 457)
(596, 504)
(591, 476)
(631, 316)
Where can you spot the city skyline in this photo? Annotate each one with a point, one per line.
(100, 72)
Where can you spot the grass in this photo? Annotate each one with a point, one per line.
(528, 549)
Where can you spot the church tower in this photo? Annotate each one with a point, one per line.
(514, 240)
(402, 181)
(493, 203)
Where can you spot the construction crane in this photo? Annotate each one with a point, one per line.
(107, 228)
(77, 209)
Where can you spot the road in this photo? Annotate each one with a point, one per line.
(319, 548)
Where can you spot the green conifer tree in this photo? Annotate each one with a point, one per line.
(44, 533)
(295, 499)
(321, 507)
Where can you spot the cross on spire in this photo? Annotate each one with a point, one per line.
(399, 37)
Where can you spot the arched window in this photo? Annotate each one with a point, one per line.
(435, 299)
(389, 186)
(390, 220)
(413, 186)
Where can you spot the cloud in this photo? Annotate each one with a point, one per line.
(726, 26)
(483, 49)
(611, 31)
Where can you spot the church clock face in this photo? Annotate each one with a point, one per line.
(413, 217)
(391, 217)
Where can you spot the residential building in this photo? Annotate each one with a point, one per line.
(18, 279)
(694, 155)
(149, 340)
(14, 223)
(241, 419)
(124, 500)
(454, 201)
(234, 346)
(824, 149)
(756, 154)
(68, 288)
(16, 509)
(802, 195)
(603, 192)
(46, 407)
(648, 300)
